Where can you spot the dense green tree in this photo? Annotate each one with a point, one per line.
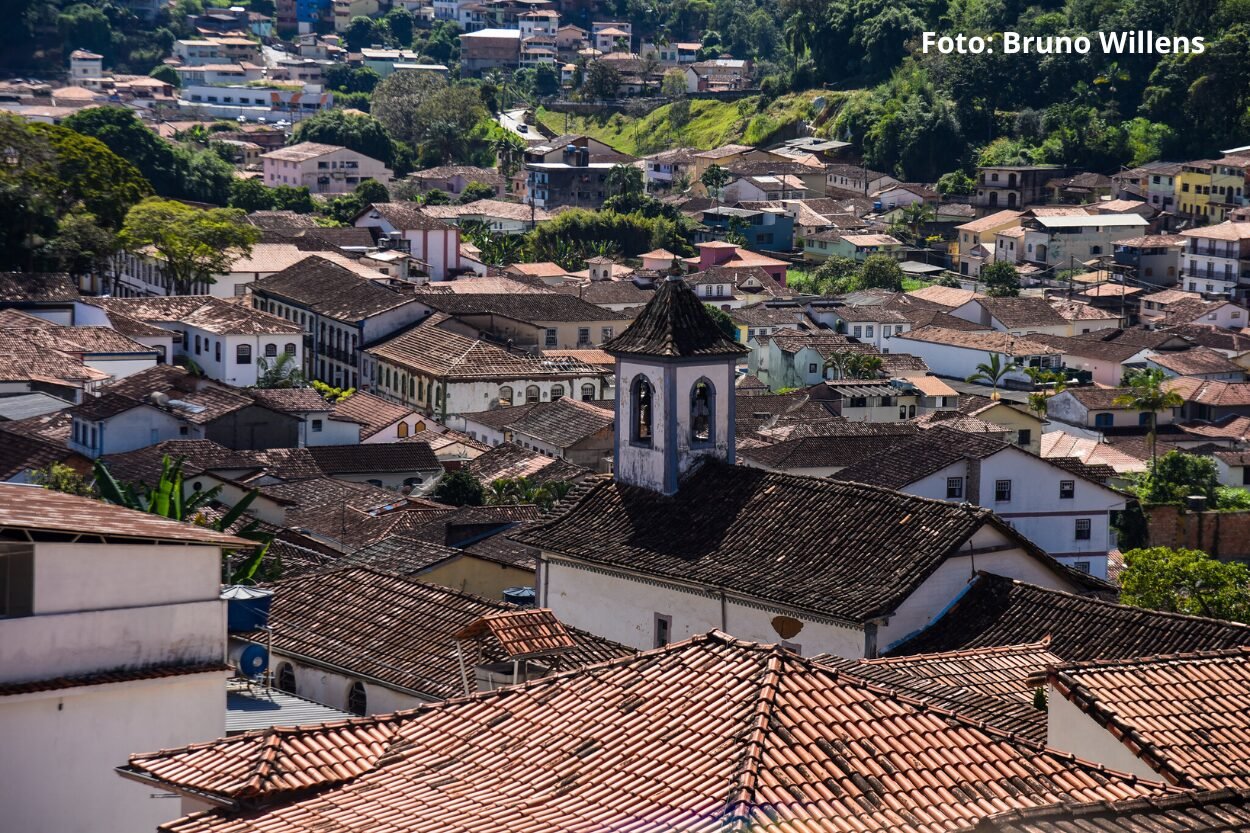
(546, 80)
(400, 24)
(83, 26)
(398, 100)
(1176, 476)
(1001, 279)
(250, 195)
(475, 191)
(166, 73)
(347, 79)
(371, 191)
(881, 272)
(124, 134)
(361, 32)
(1186, 581)
(82, 246)
(436, 196)
(193, 244)
(450, 126)
(361, 133)
(459, 488)
(601, 82)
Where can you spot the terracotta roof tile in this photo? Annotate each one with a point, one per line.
(707, 735)
(392, 628)
(523, 633)
(674, 323)
(332, 290)
(511, 460)
(1197, 361)
(430, 349)
(1216, 811)
(1184, 715)
(372, 412)
(1005, 671)
(869, 551)
(213, 315)
(38, 286)
(30, 508)
(1001, 611)
(1006, 714)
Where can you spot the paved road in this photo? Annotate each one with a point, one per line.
(511, 120)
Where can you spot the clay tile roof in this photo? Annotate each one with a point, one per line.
(872, 548)
(708, 735)
(406, 216)
(990, 221)
(530, 307)
(1197, 361)
(290, 400)
(1215, 811)
(986, 340)
(302, 152)
(1009, 715)
(19, 453)
(1025, 311)
(375, 457)
(35, 510)
(213, 315)
(674, 323)
(38, 286)
(508, 460)
(919, 456)
(1001, 611)
(1184, 715)
(523, 633)
(562, 423)
(1220, 394)
(822, 451)
(332, 289)
(392, 628)
(372, 412)
(1005, 671)
(429, 348)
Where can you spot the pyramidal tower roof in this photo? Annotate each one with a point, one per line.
(674, 324)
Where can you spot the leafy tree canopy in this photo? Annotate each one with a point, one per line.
(1185, 581)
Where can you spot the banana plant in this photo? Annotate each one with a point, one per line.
(168, 500)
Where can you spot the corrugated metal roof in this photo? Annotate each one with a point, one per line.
(260, 707)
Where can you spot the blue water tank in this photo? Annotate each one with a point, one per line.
(251, 660)
(247, 608)
(520, 596)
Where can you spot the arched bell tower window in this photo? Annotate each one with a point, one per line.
(702, 416)
(642, 396)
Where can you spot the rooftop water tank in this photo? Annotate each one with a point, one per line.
(247, 608)
(520, 596)
(250, 659)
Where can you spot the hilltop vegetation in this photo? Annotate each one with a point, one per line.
(710, 123)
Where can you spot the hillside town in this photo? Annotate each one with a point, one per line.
(526, 415)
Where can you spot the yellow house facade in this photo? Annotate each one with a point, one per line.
(1208, 190)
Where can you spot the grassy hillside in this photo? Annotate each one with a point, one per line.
(711, 124)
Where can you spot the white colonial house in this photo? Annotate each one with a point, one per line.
(112, 641)
(226, 341)
(405, 226)
(1061, 510)
(322, 169)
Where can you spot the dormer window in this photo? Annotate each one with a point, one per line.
(641, 422)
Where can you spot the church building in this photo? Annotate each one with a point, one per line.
(681, 540)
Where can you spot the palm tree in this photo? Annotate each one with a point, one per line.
(852, 365)
(624, 180)
(282, 372)
(992, 373)
(1146, 394)
(915, 215)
